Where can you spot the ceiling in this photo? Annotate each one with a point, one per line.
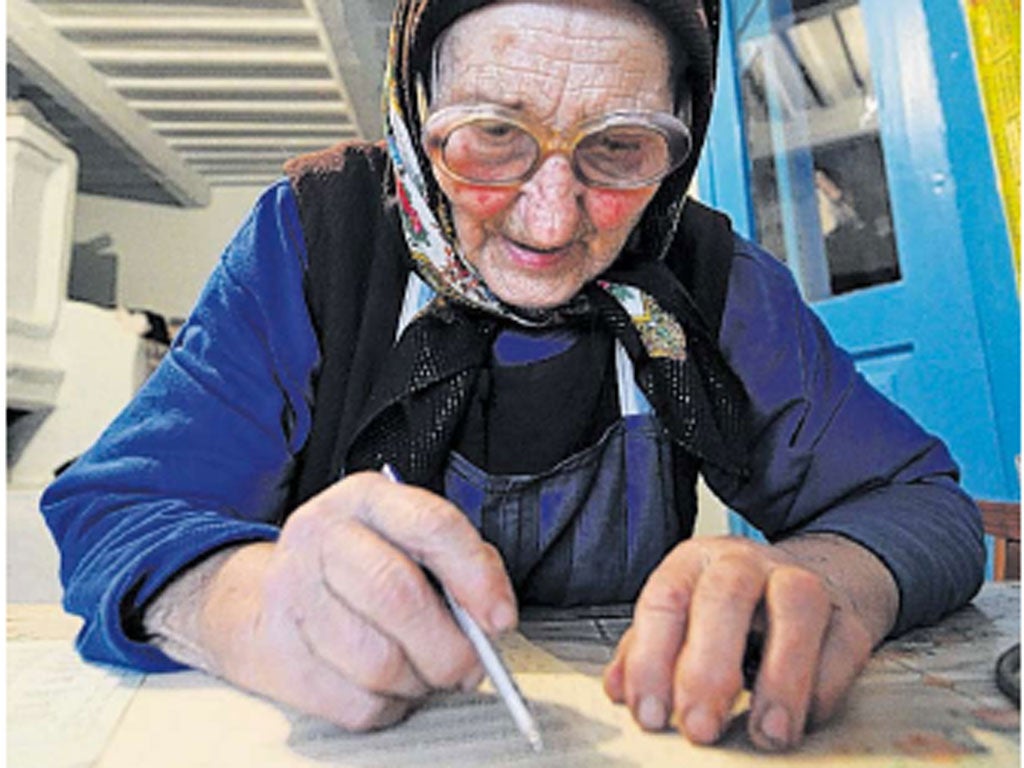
(164, 100)
(809, 74)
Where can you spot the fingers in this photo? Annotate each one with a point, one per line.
(685, 649)
(338, 619)
(435, 534)
(656, 637)
(351, 628)
(316, 688)
(845, 653)
(300, 678)
(798, 612)
(343, 641)
(708, 676)
(392, 593)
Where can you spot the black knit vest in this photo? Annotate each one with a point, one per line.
(355, 284)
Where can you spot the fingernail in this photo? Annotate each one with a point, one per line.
(651, 713)
(701, 725)
(774, 726)
(503, 617)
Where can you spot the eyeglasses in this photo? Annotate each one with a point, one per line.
(491, 146)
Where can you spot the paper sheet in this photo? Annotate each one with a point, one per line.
(61, 711)
(227, 728)
(580, 726)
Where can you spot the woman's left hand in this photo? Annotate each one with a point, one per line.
(822, 603)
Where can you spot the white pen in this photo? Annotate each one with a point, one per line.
(491, 659)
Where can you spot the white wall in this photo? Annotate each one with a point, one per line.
(164, 253)
(32, 559)
(90, 396)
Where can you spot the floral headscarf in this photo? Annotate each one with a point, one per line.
(672, 349)
(433, 245)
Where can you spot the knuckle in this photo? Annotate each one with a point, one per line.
(739, 547)
(439, 520)
(661, 595)
(301, 526)
(801, 579)
(732, 580)
(397, 586)
(804, 588)
(309, 526)
(358, 484)
(343, 500)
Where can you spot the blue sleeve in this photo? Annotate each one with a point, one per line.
(201, 456)
(831, 454)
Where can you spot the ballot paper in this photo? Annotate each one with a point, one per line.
(225, 727)
(61, 712)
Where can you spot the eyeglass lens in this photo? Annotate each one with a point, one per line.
(495, 151)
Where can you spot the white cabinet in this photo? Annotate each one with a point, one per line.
(41, 180)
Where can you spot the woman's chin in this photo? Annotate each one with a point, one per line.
(535, 295)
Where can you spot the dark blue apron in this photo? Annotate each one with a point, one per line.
(590, 529)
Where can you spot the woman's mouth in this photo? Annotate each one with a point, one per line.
(534, 258)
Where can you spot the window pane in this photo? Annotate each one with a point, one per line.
(821, 201)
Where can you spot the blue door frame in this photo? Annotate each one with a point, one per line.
(943, 341)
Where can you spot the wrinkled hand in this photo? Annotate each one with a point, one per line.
(681, 660)
(338, 619)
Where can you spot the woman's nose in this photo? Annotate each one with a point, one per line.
(552, 200)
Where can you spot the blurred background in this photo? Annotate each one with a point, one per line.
(872, 146)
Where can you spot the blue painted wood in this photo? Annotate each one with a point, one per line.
(723, 176)
(986, 238)
(947, 384)
(943, 341)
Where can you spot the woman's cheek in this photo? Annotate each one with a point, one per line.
(614, 208)
(477, 202)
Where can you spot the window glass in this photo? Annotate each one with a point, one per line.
(820, 196)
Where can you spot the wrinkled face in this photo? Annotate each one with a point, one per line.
(536, 244)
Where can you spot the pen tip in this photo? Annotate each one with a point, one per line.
(536, 742)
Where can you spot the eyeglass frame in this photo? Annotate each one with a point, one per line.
(550, 141)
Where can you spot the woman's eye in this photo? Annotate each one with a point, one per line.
(495, 132)
(491, 151)
(622, 153)
(620, 143)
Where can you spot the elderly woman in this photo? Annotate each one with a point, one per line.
(514, 305)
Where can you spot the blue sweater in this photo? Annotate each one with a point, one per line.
(203, 455)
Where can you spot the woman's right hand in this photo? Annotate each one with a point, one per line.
(338, 619)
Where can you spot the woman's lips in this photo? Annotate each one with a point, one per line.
(534, 258)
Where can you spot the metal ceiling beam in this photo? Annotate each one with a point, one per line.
(47, 60)
(234, 24)
(350, 32)
(186, 145)
(170, 127)
(198, 58)
(227, 85)
(224, 106)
